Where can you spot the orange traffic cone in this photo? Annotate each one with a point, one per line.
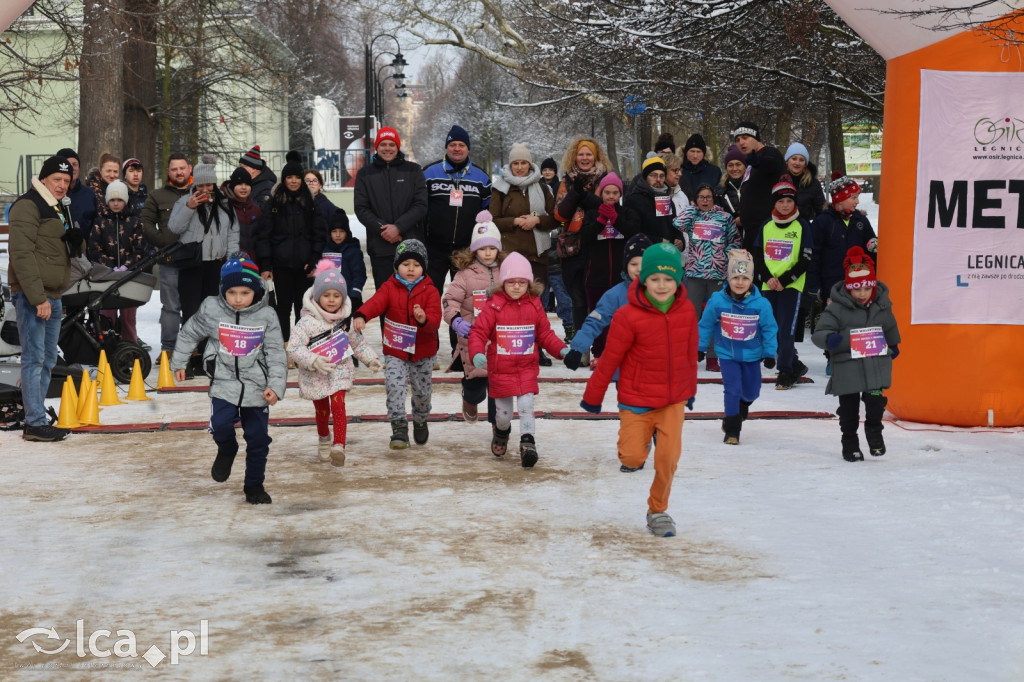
(90, 408)
(108, 390)
(67, 419)
(166, 379)
(137, 389)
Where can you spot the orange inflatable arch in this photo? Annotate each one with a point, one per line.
(955, 374)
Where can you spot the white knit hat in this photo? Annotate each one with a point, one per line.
(117, 190)
(485, 232)
(520, 152)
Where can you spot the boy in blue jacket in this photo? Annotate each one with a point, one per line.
(741, 323)
(613, 299)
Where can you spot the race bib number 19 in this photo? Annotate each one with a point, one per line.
(867, 342)
(239, 341)
(399, 336)
(514, 339)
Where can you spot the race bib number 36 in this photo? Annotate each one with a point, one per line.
(867, 342)
(335, 347)
(778, 249)
(239, 341)
(514, 339)
(399, 336)
(739, 327)
(707, 231)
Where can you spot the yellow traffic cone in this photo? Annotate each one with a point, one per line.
(109, 390)
(91, 409)
(70, 384)
(86, 380)
(137, 389)
(67, 419)
(83, 396)
(166, 379)
(104, 365)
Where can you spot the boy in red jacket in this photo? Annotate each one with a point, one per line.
(411, 306)
(652, 342)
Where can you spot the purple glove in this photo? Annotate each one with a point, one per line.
(461, 327)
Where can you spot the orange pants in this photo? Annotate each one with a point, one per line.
(635, 432)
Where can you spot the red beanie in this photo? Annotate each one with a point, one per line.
(842, 188)
(859, 269)
(387, 134)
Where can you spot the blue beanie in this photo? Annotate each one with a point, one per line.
(457, 134)
(241, 271)
(797, 148)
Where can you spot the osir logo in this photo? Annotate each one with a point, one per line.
(1006, 130)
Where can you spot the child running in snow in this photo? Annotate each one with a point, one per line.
(411, 306)
(613, 299)
(859, 331)
(739, 322)
(652, 343)
(250, 369)
(464, 299)
(323, 352)
(505, 339)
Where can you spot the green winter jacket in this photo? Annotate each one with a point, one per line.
(40, 265)
(849, 374)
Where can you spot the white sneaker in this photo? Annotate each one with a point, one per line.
(323, 449)
(338, 455)
(661, 525)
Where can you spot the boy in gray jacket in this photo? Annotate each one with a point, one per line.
(859, 331)
(248, 369)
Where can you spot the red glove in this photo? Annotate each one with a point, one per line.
(608, 214)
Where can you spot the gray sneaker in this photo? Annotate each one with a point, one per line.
(661, 525)
(45, 433)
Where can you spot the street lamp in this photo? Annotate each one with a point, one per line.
(372, 82)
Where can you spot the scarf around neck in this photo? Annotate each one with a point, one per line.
(532, 186)
(781, 219)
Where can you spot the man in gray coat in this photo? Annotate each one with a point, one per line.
(390, 201)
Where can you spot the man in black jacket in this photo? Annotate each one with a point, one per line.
(764, 168)
(263, 179)
(390, 201)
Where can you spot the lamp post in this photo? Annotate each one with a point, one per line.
(372, 82)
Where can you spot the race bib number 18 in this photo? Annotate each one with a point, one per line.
(239, 341)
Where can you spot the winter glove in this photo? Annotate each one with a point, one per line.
(480, 360)
(120, 268)
(461, 327)
(894, 351)
(374, 365)
(565, 351)
(701, 355)
(594, 409)
(833, 341)
(872, 245)
(579, 185)
(74, 238)
(769, 363)
(321, 365)
(572, 359)
(689, 403)
(608, 214)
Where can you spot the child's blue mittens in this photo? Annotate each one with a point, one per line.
(833, 341)
(689, 403)
(594, 409)
(894, 351)
(480, 360)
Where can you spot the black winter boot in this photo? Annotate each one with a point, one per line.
(874, 409)
(499, 442)
(527, 451)
(222, 464)
(744, 409)
(420, 432)
(851, 449)
(399, 434)
(255, 494)
(732, 426)
(849, 422)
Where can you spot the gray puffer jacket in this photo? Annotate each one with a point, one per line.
(849, 374)
(239, 379)
(219, 241)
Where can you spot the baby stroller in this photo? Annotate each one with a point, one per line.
(84, 332)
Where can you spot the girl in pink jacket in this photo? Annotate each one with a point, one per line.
(464, 299)
(322, 351)
(505, 339)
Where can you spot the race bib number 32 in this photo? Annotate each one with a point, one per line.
(514, 339)
(739, 327)
(867, 342)
(399, 336)
(239, 341)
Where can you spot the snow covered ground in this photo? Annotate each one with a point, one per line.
(443, 562)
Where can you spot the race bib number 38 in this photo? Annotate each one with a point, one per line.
(867, 342)
(514, 339)
(240, 341)
(399, 336)
(739, 327)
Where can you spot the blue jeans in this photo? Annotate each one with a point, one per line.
(563, 304)
(38, 339)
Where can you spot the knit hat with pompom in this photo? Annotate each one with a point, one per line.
(327, 277)
(485, 232)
